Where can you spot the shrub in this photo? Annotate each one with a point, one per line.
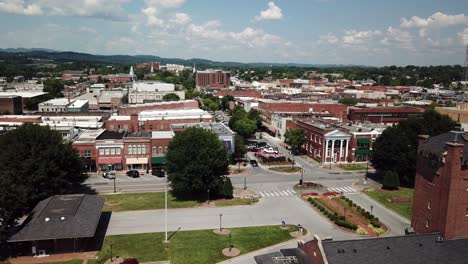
(379, 231)
(359, 208)
(361, 231)
(376, 219)
(309, 199)
(391, 180)
(325, 213)
(346, 224)
(375, 223)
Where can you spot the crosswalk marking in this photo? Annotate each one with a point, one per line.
(277, 193)
(293, 191)
(344, 189)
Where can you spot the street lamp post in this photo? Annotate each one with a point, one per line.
(371, 208)
(208, 195)
(245, 183)
(165, 205)
(220, 222)
(115, 190)
(302, 176)
(230, 242)
(110, 244)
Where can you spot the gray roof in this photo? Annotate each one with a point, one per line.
(62, 216)
(297, 256)
(412, 249)
(436, 144)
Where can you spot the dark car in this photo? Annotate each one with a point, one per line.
(254, 163)
(133, 173)
(158, 173)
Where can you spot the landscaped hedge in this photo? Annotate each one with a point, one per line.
(373, 220)
(333, 216)
(271, 159)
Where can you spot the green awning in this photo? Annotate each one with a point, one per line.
(363, 140)
(158, 160)
(361, 152)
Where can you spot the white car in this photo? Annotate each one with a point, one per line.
(270, 150)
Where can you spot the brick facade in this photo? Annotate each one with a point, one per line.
(383, 114)
(213, 79)
(12, 105)
(187, 104)
(441, 187)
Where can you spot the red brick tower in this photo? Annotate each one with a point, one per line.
(441, 188)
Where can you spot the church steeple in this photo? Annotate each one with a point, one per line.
(132, 74)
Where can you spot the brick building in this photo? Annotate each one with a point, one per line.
(11, 104)
(240, 93)
(267, 107)
(85, 144)
(213, 79)
(386, 115)
(137, 108)
(441, 188)
(137, 147)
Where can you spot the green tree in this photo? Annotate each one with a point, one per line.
(171, 97)
(35, 163)
(197, 162)
(245, 127)
(225, 101)
(54, 87)
(254, 114)
(237, 114)
(210, 104)
(239, 147)
(348, 101)
(391, 181)
(395, 150)
(295, 137)
(227, 188)
(449, 103)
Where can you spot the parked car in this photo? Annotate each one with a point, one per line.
(158, 173)
(133, 173)
(252, 148)
(108, 174)
(270, 150)
(254, 163)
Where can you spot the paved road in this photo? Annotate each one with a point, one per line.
(144, 183)
(267, 212)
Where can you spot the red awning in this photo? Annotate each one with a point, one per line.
(110, 160)
(269, 127)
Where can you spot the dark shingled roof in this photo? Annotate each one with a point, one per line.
(413, 249)
(62, 216)
(436, 144)
(299, 257)
(111, 135)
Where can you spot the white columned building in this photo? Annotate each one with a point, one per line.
(336, 146)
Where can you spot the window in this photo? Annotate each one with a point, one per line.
(112, 151)
(130, 150)
(87, 154)
(117, 151)
(427, 223)
(106, 151)
(165, 150)
(160, 151)
(101, 151)
(139, 149)
(429, 205)
(154, 150)
(143, 149)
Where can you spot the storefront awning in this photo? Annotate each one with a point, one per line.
(158, 160)
(110, 160)
(363, 140)
(361, 152)
(269, 127)
(137, 160)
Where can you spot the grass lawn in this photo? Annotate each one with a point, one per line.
(287, 169)
(74, 261)
(384, 197)
(155, 200)
(201, 246)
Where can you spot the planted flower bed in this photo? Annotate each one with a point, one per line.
(371, 221)
(332, 214)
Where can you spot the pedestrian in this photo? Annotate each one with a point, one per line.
(283, 223)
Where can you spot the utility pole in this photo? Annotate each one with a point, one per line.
(165, 202)
(302, 176)
(115, 190)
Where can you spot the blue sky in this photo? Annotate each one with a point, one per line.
(417, 32)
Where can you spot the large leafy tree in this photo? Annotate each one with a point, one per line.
(254, 114)
(197, 162)
(295, 137)
(35, 163)
(245, 127)
(395, 150)
(225, 101)
(171, 97)
(54, 87)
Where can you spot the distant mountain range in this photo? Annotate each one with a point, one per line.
(68, 56)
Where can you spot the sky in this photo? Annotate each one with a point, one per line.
(362, 32)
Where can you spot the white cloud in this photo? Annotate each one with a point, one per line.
(353, 37)
(181, 19)
(151, 17)
(105, 9)
(464, 36)
(328, 39)
(398, 38)
(165, 3)
(272, 13)
(436, 20)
